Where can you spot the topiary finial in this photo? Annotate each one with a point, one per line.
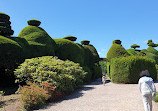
(116, 42)
(70, 37)
(34, 22)
(85, 42)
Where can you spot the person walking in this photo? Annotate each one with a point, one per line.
(103, 79)
(147, 89)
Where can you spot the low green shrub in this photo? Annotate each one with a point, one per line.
(64, 75)
(33, 96)
(127, 69)
(34, 22)
(69, 37)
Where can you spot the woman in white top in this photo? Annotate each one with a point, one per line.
(147, 89)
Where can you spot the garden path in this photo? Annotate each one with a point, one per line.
(96, 97)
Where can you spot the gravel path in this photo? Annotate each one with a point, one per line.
(96, 97)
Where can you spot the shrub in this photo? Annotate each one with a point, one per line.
(64, 75)
(149, 41)
(127, 69)
(116, 42)
(116, 50)
(69, 37)
(33, 96)
(34, 22)
(40, 42)
(152, 50)
(151, 55)
(103, 65)
(85, 42)
(4, 16)
(108, 70)
(97, 71)
(151, 44)
(67, 49)
(95, 56)
(134, 52)
(135, 46)
(156, 99)
(5, 28)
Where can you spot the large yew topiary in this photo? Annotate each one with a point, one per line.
(67, 49)
(5, 28)
(127, 69)
(116, 50)
(40, 42)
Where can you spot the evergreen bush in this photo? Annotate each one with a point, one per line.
(152, 50)
(116, 50)
(40, 42)
(127, 69)
(4, 16)
(67, 49)
(64, 75)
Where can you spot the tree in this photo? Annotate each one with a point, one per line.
(135, 46)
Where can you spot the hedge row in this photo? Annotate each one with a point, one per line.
(33, 41)
(127, 69)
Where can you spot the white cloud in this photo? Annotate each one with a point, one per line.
(99, 53)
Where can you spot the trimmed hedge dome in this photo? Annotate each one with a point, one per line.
(67, 49)
(116, 50)
(34, 22)
(40, 42)
(116, 42)
(127, 69)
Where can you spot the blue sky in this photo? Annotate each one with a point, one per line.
(100, 21)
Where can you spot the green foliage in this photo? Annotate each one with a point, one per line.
(151, 44)
(117, 42)
(127, 69)
(103, 65)
(4, 16)
(97, 71)
(65, 75)
(156, 99)
(108, 70)
(5, 28)
(134, 52)
(150, 55)
(69, 37)
(67, 49)
(149, 41)
(157, 70)
(93, 56)
(33, 96)
(135, 46)
(85, 42)
(39, 41)
(34, 22)
(152, 50)
(116, 50)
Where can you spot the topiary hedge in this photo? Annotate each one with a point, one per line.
(11, 56)
(116, 42)
(65, 75)
(40, 42)
(116, 50)
(5, 28)
(85, 42)
(71, 38)
(34, 22)
(152, 50)
(67, 49)
(127, 69)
